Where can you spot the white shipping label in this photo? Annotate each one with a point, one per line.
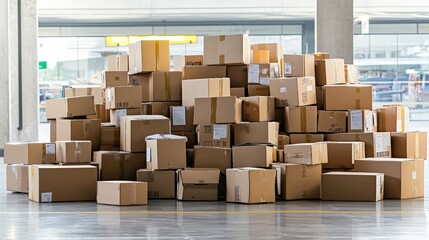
(356, 120)
(264, 71)
(120, 113)
(386, 141)
(414, 175)
(46, 197)
(179, 116)
(288, 68)
(50, 148)
(282, 89)
(379, 143)
(108, 95)
(399, 125)
(219, 131)
(253, 73)
(369, 124)
(148, 155)
(264, 81)
(309, 88)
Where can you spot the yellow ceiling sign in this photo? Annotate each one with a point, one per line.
(118, 41)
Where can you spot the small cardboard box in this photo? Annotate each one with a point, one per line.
(226, 49)
(165, 86)
(29, 153)
(165, 152)
(81, 91)
(352, 186)
(306, 138)
(332, 121)
(351, 73)
(330, 71)
(198, 184)
(68, 183)
(73, 151)
(203, 88)
(141, 80)
(190, 135)
(161, 184)
(262, 72)
(80, 129)
(237, 75)
(293, 92)
(238, 92)
(212, 157)
(182, 118)
(116, 114)
(158, 108)
(149, 56)
(256, 133)
(123, 97)
(362, 121)
(250, 185)
(115, 165)
(253, 156)
(306, 153)
(346, 97)
(214, 135)
(301, 119)
(282, 141)
(217, 110)
(274, 49)
(258, 109)
(258, 90)
(299, 65)
(17, 178)
(187, 60)
(117, 62)
(393, 119)
(113, 78)
(70, 107)
(342, 155)
(110, 138)
(122, 193)
(409, 145)
(203, 72)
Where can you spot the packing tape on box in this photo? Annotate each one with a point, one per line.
(308, 138)
(262, 176)
(117, 62)
(86, 128)
(417, 145)
(77, 152)
(262, 198)
(304, 170)
(213, 109)
(273, 154)
(402, 119)
(357, 100)
(44, 156)
(303, 112)
(157, 54)
(414, 178)
(221, 87)
(167, 85)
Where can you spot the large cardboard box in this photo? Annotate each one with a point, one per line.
(203, 88)
(182, 118)
(237, 75)
(250, 185)
(351, 73)
(165, 86)
(110, 139)
(258, 90)
(70, 107)
(201, 72)
(301, 119)
(122, 193)
(17, 178)
(258, 109)
(403, 178)
(81, 91)
(293, 91)
(123, 97)
(116, 114)
(253, 156)
(256, 133)
(362, 121)
(29, 153)
(238, 92)
(134, 130)
(282, 141)
(306, 138)
(198, 184)
(226, 49)
(214, 135)
(113, 78)
(352, 186)
(161, 184)
(306, 153)
(117, 62)
(299, 65)
(190, 135)
(212, 157)
(141, 80)
(346, 97)
(217, 110)
(409, 145)
(73, 151)
(181, 61)
(79, 129)
(393, 119)
(158, 108)
(115, 165)
(165, 152)
(149, 56)
(274, 50)
(332, 121)
(342, 155)
(330, 71)
(52, 183)
(262, 72)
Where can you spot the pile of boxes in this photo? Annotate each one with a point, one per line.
(241, 123)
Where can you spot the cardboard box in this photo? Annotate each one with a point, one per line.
(295, 181)
(117, 62)
(101, 113)
(116, 114)
(123, 97)
(52, 183)
(409, 145)
(274, 49)
(237, 75)
(79, 129)
(319, 97)
(306, 153)
(165, 152)
(158, 108)
(238, 92)
(262, 72)
(299, 65)
(165, 86)
(201, 72)
(115, 165)
(212, 157)
(81, 91)
(253, 156)
(250, 185)
(226, 49)
(190, 135)
(161, 184)
(261, 56)
(293, 91)
(393, 119)
(346, 97)
(362, 121)
(258, 109)
(141, 80)
(29, 153)
(113, 78)
(332, 121)
(351, 73)
(73, 151)
(282, 141)
(198, 184)
(110, 139)
(306, 138)
(342, 155)
(69, 107)
(217, 110)
(352, 186)
(258, 90)
(214, 135)
(187, 60)
(149, 56)
(280, 155)
(256, 133)
(202, 88)
(17, 178)
(122, 193)
(403, 178)
(322, 55)
(301, 119)
(330, 71)
(182, 118)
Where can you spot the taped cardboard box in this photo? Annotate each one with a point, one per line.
(237, 75)
(80, 91)
(403, 178)
(409, 145)
(352, 186)
(293, 92)
(116, 114)
(306, 153)
(332, 121)
(322, 55)
(115, 165)
(80, 129)
(165, 86)
(226, 49)
(282, 141)
(182, 118)
(201, 72)
(301, 119)
(258, 109)
(306, 138)
(212, 157)
(158, 108)
(253, 156)
(238, 92)
(149, 56)
(113, 78)
(362, 121)
(165, 151)
(52, 183)
(122, 193)
(393, 119)
(117, 62)
(256, 133)
(190, 135)
(70, 107)
(198, 184)
(219, 110)
(161, 184)
(214, 135)
(250, 185)
(274, 50)
(351, 73)
(187, 60)
(17, 178)
(298, 65)
(203, 88)
(123, 97)
(330, 71)
(73, 151)
(141, 80)
(29, 153)
(258, 90)
(346, 97)
(342, 155)
(262, 72)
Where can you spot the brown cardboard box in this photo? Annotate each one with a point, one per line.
(332, 121)
(117, 62)
(342, 155)
(351, 73)
(17, 178)
(73, 151)
(85, 91)
(274, 49)
(330, 71)
(53, 130)
(295, 181)
(201, 72)
(237, 75)
(352, 186)
(293, 91)
(393, 119)
(403, 178)
(116, 114)
(345, 97)
(100, 113)
(238, 92)
(214, 135)
(165, 86)
(261, 56)
(69, 107)
(198, 184)
(319, 97)
(253, 156)
(301, 119)
(161, 184)
(134, 130)
(141, 80)
(409, 145)
(113, 78)
(226, 49)
(110, 139)
(149, 56)
(299, 65)
(282, 141)
(306, 153)
(202, 88)
(80, 129)
(250, 185)
(165, 152)
(362, 121)
(29, 153)
(258, 90)
(190, 135)
(322, 55)
(256, 133)
(122, 193)
(258, 109)
(123, 97)
(158, 108)
(186, 60)
(212, 157)
(52, 183)
(115, 165)
(261, 73)
(182, 118)
(306, 138)
(217, 110)
(280, 155)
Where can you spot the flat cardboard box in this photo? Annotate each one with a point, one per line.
(332, 121)
(282, 141)
(237, 75)
(115, 165)
(262, 72)
(212, 157)
(190, 135)
(256, 133)
(149, 56)
(203, 88)
(17, 178)
(292, 92)
(322, 55)
(158, 108)
(80, 129)
(201, 72)
(187, 60)
(301, 119)
(403, 178)
(342, 155)
(73, 151)
(52, 183)
(69, 107)
(409, 145)
(258, 109)
(165, 152)
(141, 80)
(116, 114)
(182, 118)
(217, 110)
(393, 119)
(121, 97)
(319, 97)
(250, 185)
(346, 97)
(110, 138)
(238, 92)
(165, 86)
(253, 156)
(362, 121)
(29, 153)
(226, 49)
(122, 193)
(113, 78)
(352, 186)
(198, 184)
(306, 138)
(274, 49)
(299, 65)
(81, 91)
(258, 90)
(214, 135)
(161, 184)
(351, 73)
(330, 71)
(306, 153)
(117, 62)
(134, 130)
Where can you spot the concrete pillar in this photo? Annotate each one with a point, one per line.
(308, 37)
(334, 28)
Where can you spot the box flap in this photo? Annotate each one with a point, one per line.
(165, 136)
(200, 176)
